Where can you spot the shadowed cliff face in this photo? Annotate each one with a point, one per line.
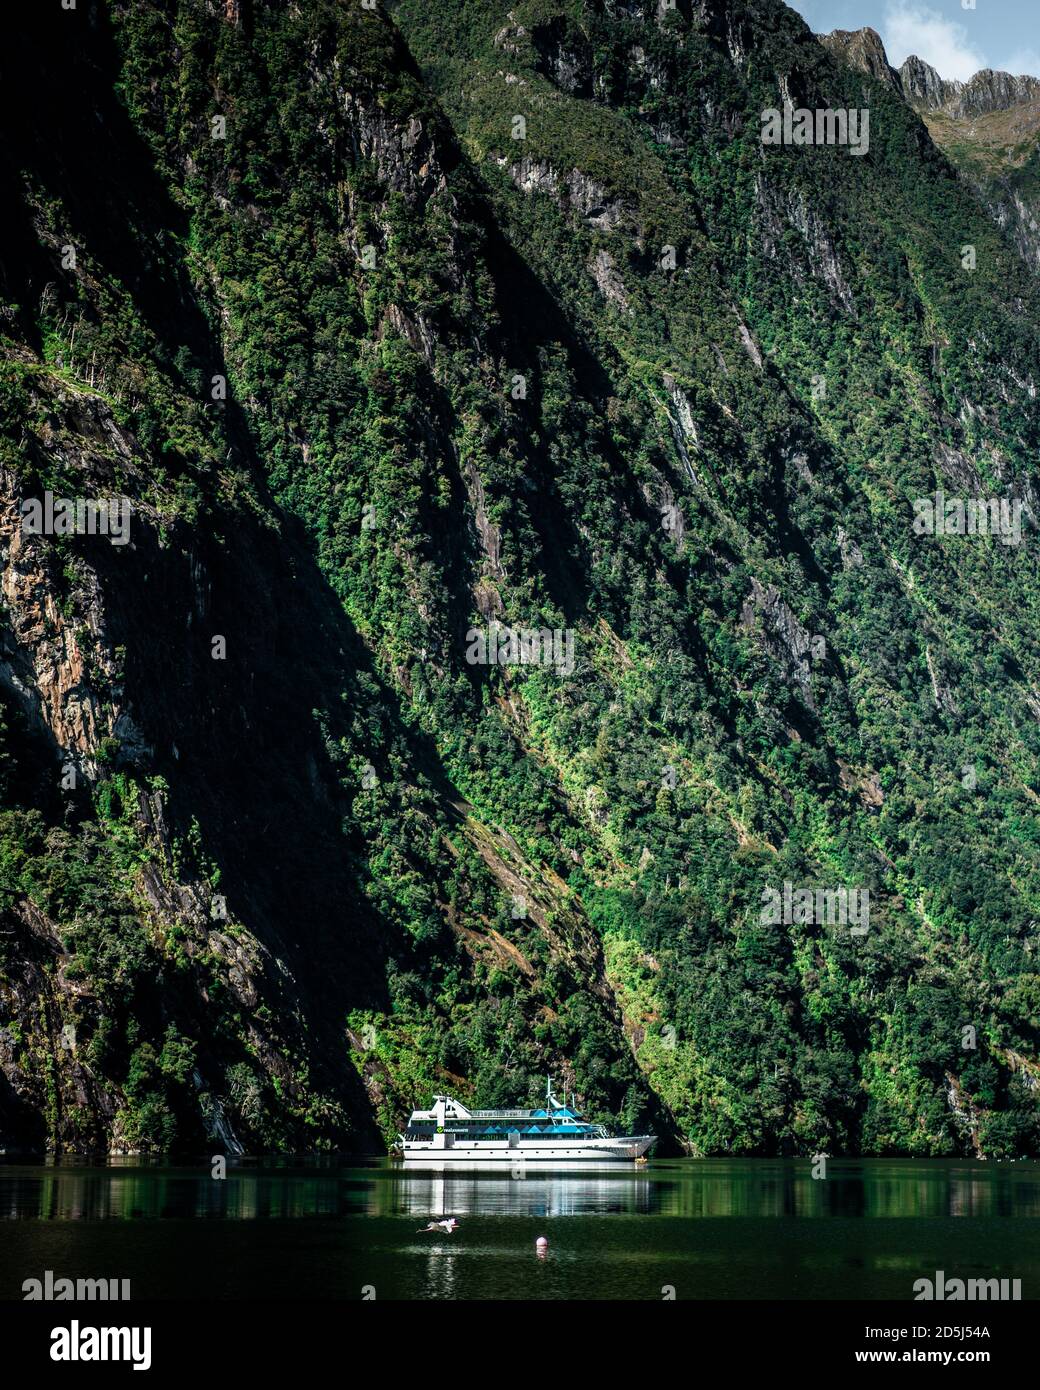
(523, 597)
(205, 713)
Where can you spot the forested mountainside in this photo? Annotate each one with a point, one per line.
(408, 339)
(989, 128)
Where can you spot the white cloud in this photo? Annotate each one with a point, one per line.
(913, 28)
(1023, 60)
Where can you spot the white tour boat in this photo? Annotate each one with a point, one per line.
(450, 1135)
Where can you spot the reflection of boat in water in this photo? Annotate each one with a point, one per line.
(449, 1135)
(543, 1193)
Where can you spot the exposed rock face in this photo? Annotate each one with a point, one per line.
(575, 190)
(986, 91)
(564, 57)
(608, 281)
(862, 48)
(45, 666)
(681, 422)
(769, 617)
(403, 153)
(1020, 219)
(920, 84)
(822, 261)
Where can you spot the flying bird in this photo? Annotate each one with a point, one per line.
(446, 1226)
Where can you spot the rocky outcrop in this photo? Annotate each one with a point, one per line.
(1019, 217)
(766, 615)
(922, 86)
(574, 191)
(608, 281)
(682, 425)
(822, 261)
(564, 55)
(862, 48)
(987, 91)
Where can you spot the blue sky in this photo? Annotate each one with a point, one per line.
(1001, 34)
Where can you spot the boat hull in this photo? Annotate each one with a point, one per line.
(622, 1152)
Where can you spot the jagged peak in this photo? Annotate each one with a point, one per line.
(861, 48)
(921, 83)
(922, 86)
(987, 90)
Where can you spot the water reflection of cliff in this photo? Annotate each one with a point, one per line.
(132, 1188)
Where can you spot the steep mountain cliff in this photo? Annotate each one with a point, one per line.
(522, 603)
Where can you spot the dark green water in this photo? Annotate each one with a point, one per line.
(712, 1229)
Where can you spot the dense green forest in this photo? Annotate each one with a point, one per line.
(395, 327)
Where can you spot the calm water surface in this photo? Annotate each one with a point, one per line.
(710, 1229)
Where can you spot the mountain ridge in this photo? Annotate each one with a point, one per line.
(921, 84)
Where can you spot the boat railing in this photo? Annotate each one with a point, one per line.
(499, 1114)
